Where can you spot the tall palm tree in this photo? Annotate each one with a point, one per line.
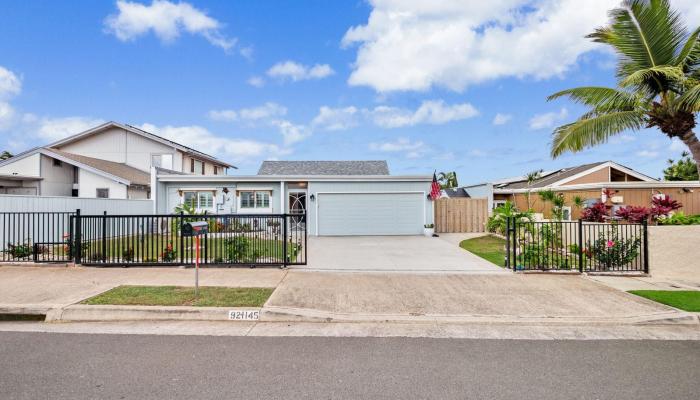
(658, 73)
(531, 178)
(447, 180)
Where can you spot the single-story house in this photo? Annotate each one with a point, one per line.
(336, 197)
(588, 181)
(111, 160)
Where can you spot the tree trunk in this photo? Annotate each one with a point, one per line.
(691, 140)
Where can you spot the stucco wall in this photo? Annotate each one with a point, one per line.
(673, 252)
(58, 180)
(89, 183)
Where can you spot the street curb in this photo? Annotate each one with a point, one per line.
(285, 314)
(97, 313)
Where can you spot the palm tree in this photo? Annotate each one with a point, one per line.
(658, 73)
(531, 178)
(447, 180)
(5, 155)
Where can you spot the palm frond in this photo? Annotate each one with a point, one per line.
(592, 131)
(599, 97)
(689, 56)
(646, 34)
(690, 100)
(661, 73)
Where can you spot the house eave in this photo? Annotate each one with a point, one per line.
(603, 185)
(293, 178)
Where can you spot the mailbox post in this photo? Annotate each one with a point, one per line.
(195, 229)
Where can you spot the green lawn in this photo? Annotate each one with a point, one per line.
(687, 300)
(209, 296)
(490, 248)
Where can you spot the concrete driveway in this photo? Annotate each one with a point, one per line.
(393, 253)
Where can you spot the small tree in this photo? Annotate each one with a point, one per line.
(557, 200)
(682, 170)
(531, 178)
(5, 155)
(448, 180)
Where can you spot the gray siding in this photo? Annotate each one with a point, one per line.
(169, 198)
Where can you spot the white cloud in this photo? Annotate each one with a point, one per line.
(10, 84)
(292, 133)
(256, 81)
(53, 129)
(200, 138)
(548, 120)
(415, 45)
(621, 139)
(412, 149)
(434, 112)
(677, 146)
(298, 72)
(266, 111)
(647, 154)
(7, 114)
(501, 119)
(336, 119)
(167, 21)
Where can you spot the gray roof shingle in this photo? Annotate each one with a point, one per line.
(324, 168)
(549, 178)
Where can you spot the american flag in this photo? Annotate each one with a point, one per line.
(435, 191)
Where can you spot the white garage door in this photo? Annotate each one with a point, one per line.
(370, 213)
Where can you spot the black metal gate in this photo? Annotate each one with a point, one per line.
(577, 245)
(156, 240)
(36, 236)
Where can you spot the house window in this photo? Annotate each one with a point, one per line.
(57, 163)
(252, 199)
(162, 161)
(201, 200)
(102, 193)
(197, 167)
(566, 213)
(216, 170)
(497, 203)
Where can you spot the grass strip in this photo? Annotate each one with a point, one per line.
(686, 300)
(490, 248)
(209, 296)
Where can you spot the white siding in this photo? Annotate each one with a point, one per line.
(139, 150)
(9, 203)
(58, 180)
(90, 182)
(28, 166)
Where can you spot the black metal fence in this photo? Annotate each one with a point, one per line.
(155, 240)
(35, 236)
(577, 245)
(253, 240)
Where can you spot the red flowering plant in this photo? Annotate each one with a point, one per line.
(169, 253)
(634, 214)
(598, 212)
(663, 205)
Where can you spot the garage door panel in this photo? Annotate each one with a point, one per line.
(370, 213)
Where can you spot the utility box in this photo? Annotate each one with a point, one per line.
(196, 228)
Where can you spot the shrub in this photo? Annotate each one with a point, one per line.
(662, 206)
(598, 212)
(19, 250)
(680, 218)
(497, 222)
(169, 254)
(128, 254)
(635, 214)
(236, 248)
(615, 252)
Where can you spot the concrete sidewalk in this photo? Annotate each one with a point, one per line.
(39, 289)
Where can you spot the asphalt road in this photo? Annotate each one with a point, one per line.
(82, 366)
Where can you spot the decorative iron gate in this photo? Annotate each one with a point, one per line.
(576, 245)
(35, 236)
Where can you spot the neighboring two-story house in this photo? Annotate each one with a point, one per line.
(112, 160)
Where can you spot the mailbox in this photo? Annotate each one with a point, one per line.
(195, 228)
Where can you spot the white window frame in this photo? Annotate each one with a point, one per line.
(497, 203)
(255, 208)
(97, 191)
(197, 203)
(566, 210)
(160, 157)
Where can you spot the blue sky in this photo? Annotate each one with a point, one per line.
(419, 84)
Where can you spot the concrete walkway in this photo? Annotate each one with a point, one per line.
(393, 254)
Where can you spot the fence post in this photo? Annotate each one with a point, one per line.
(77, 243)
(507, 260)
(284, 236)
(104, 236)
(514, 236)
(645, 233)
(182, 238)
(580, 245)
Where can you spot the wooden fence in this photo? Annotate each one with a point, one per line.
(456, 215)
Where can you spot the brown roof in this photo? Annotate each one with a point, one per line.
(121, 170)
(549, 178)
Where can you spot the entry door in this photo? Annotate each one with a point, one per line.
(297, 208)
(341, 214)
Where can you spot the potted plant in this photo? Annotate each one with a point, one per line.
(428, 230)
